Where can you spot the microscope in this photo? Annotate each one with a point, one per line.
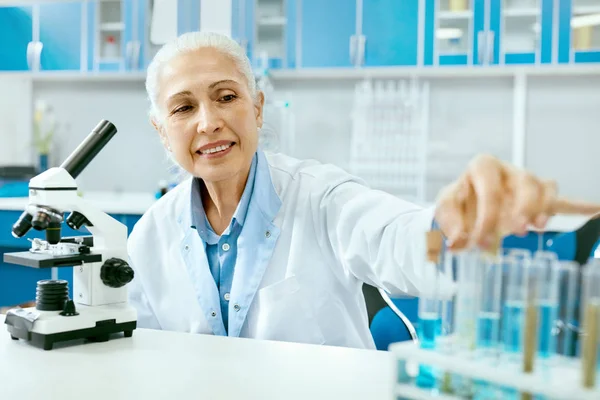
(99, 307)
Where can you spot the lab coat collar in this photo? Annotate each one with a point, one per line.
(255, 247)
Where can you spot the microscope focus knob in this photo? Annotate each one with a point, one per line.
(116, 273)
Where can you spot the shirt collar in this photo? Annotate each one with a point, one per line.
(198, 215)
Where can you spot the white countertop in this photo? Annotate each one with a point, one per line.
(168, 365)
(109, 202)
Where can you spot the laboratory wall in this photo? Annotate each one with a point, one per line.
(134, 160)
(467, 116)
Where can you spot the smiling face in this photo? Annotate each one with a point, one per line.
(210, 119)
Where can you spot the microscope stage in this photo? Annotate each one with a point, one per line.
(39, 260)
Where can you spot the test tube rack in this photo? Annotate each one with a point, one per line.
(389, 137)
(559, 379)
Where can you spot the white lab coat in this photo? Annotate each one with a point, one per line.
(323, 233)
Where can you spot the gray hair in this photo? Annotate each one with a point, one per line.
(190, 42)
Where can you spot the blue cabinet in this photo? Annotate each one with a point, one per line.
(116, 33)
(391, 30)
(45, 36)
(526, 33)
(60, 32)
(326, 29)
(16, 32)
(462, 35)
(579, 31)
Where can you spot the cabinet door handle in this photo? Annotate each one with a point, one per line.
(34, 54)
(362, 40)
(485, 47)
(128, 55)
(39, 46)
(136, 55)
(353, 43)
(29, 53)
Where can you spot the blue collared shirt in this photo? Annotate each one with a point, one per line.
(221, 251)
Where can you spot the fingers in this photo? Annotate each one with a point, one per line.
(548, 198)
(452, 215)
(486, 175)
(564, 206)
(528, 202)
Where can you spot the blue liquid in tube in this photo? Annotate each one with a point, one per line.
(430, 327)
(546, 339)
(487, 329)
(513, 327)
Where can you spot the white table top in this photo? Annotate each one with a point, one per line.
(109, 202)
(168, 365)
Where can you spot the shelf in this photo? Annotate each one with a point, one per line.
(586, 10)
(453, 15)
(112, 26)
(110, 60)
(521, 12)
(272, 21)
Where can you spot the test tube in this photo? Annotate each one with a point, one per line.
(488, 323)
(516, 266)
(429, 327)
(547, 270)
(448, 301)
(467, 299)
(568, 298)
(429, 302)
(590, 313)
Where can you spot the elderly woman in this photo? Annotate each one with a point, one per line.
(266, 246)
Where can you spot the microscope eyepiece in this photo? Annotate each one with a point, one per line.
(89, 148)
(23, 225)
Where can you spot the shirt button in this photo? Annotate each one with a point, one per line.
(225, 247)
(267, 234)
(213, 314)
(186, 247)
(227, 296)
(236, 307)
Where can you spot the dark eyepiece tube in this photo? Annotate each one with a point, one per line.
(89, 148)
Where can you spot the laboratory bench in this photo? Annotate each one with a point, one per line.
(168, 365)
(18, 283)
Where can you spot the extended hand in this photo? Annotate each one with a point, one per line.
(493, 199)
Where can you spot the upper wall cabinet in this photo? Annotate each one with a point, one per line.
(455, 32)
(326, 32)
(579, 33)
(115, 33)
(16, 34)
(344, 33)
(59, 31)
(526, 31)
(267, 29)
(389, 33)
(41, 37)
(488, 32)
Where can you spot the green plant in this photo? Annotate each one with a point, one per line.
(44, 128)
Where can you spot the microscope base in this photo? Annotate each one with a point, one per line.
(44, 329)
